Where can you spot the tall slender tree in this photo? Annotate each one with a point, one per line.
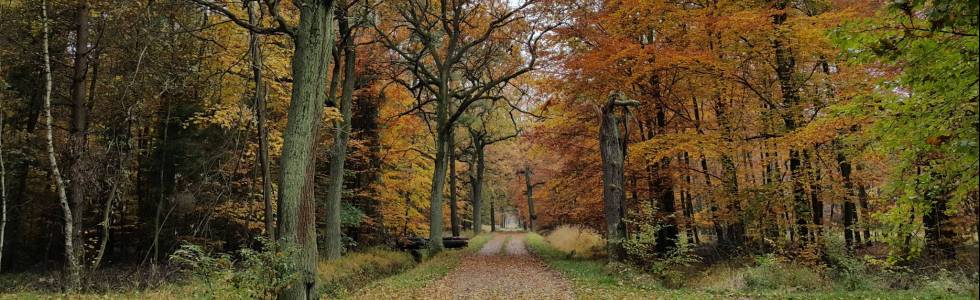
(313, 42)
(73, 274)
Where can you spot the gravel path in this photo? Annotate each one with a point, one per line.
(502, 269)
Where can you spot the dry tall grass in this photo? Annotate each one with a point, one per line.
(577, 241)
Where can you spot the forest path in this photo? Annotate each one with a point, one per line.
(502, 269)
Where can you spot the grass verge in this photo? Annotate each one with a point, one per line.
(593, 279)
(405, 284)
(342, 276)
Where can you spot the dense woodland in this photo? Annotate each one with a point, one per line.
(682, 131)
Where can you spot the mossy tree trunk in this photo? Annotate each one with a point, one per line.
(341, 129)
(613, 176)
(313, 39)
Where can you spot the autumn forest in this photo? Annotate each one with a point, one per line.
(489, 149)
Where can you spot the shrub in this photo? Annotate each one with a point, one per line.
(641, 247)
(258, 274)
(850, 273)
(772, 272)
(577, 241)
(721, 278)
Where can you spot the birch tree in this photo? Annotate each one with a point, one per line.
(73, 274)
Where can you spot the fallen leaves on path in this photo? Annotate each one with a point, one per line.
(492, 274)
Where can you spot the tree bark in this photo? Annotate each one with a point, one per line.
(785, 64)
(613, 176)
(443, 125)
(493, 216)
(79, 124)
(341, 129)
(850, 211)
(453, 209)
(3, 192)
(479, 168)
(532, 217)
(73, 280)
(816, 205)
(313, 41)
(260, 92)
(667, 234)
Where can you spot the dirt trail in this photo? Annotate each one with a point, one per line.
(502, 269)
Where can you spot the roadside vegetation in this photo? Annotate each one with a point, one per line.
(432, 268)
(762, 276)
(199, 274)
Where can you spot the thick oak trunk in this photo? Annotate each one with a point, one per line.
(313, 41)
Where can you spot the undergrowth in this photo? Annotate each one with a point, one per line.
(763, 277)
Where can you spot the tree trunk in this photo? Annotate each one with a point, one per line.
(493, 216)
(532, 217)
(785, 64)
(692, 230)
(613, 176)
(439, 174)
(79, 124)
(260, 93)
(3, 192)
(453, 209)
(864, 214)
(938, 233)
(297, 229)
(666, 240)
(341, 137)
(816, 205)
(850, 211)
(73, 280)
(477, 187)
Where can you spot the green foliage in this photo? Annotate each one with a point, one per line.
(200, 263)
(594, 279)
(924, 110)
(850, 273)
(772, 272)
(641, 243)
(255, 275)
(350, 215)
(263, 273)
(640, 247)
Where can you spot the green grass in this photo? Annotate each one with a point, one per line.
(404, 284)
(594, 279)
